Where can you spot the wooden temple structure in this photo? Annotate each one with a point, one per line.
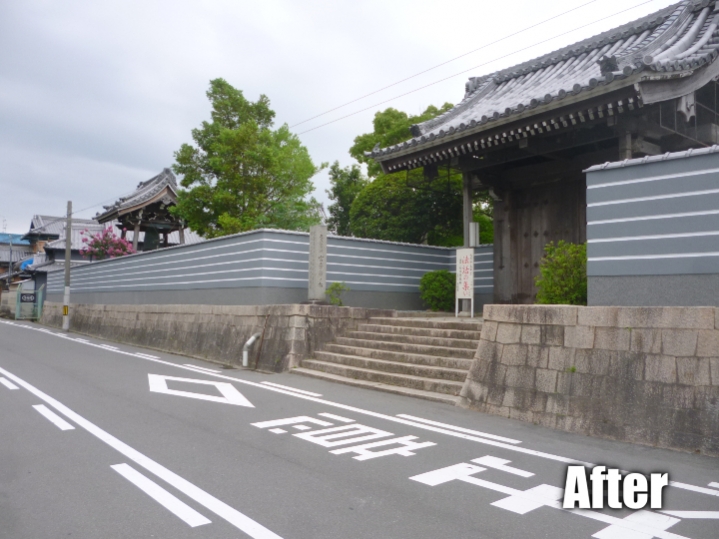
(146, 211)
(527, 133)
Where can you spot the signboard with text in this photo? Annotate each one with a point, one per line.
(465, 278)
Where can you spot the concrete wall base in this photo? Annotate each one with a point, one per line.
(647, 375)
(218, 332)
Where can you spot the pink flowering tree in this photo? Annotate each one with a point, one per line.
(105, 244)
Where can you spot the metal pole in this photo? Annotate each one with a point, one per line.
(68, 254)
(9, 275)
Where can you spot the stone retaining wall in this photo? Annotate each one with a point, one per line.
(644, 375)
(218, 332)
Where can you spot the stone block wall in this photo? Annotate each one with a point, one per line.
(218, 332)
(646, 375)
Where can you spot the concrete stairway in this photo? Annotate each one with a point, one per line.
(425, 357)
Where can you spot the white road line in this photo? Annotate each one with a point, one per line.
(143, 355)
(501, 465)
(310, 393)
(202, 368)
(336, 417)
(173, 504)
(108, 347)
(709, 515)
(242, 522)
(370, 413)
(694, 488)
(7, 383)
(59, 422)
(714, 485)
(460, 429)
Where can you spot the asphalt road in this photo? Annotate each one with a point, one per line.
(106, 440)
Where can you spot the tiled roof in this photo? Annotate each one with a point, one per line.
(669, 156)
(145, 192)
(76, 237)
(18, 253)
(671, 43)
(54, 226)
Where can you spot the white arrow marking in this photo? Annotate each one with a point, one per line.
(230, 395)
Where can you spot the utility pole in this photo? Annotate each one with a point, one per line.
(68, 254)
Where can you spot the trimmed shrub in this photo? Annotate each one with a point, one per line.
(334, 293)
(437, 289)
(563, 274)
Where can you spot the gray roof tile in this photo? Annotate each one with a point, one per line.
(681, 37)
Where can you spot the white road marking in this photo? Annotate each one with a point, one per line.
(278, 431)
(7, 383)
(501, 464)
(336, 417)
(713, 515)
(694, 488)
(108, 347)
(310, 393)
(647, 518)
(173, 504)
(301, 427)
(346, 434)
(404, 447)
(59, 422)
(240, 521)
(538, 497)
(370, 413)
(230, 395)
(291, 421)
(202, 368)
(714, 485)
(460, 429)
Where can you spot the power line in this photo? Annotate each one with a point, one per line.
(443, 63)
(476, 67)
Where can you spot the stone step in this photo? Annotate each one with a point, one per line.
(403, 357)
(467, 324)
(462, 353)
(414, 339)
(424, 371)
(421, 332)
(447, 387)
(405, 391)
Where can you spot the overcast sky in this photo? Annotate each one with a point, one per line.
(95, 96)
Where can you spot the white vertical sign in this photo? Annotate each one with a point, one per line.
(465, 278)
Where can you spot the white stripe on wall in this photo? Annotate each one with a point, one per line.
(658, 197)
(655, 237)
(655, 178)
(654, 217)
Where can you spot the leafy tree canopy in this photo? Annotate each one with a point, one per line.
(409, 208)
(241, 174)
(346, 185)
(391, 126)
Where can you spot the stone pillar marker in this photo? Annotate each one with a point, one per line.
(318, 264)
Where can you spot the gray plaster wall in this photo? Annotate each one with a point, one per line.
(655, 290)
(290, 333)
(267, 267)
(653, 230)
(647, 375)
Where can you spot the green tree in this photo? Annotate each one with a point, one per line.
(242, 174)
(346, 185)
(408, 207)
(391, 126)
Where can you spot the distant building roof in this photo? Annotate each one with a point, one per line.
(17, 239)
(674, 43)
(47, 225)
(162, 187)
(18, 253)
